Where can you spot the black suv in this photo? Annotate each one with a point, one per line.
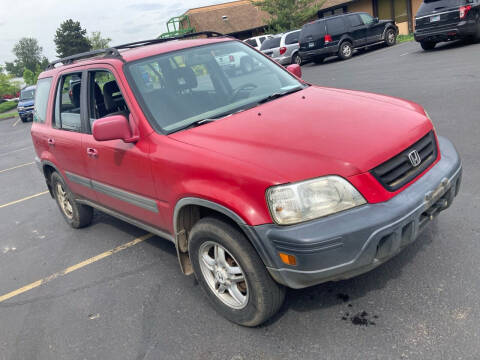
(445, 20)
(341, 34)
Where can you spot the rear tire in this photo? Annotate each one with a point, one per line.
(75, 214)
(427, 45)
(390, 37)
(345, 50)
(232, 274)
(296, 59)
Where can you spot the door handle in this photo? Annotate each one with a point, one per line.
(92, 152)
(51, 141)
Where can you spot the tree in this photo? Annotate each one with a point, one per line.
(71, 39)
(7, 87)
(97, 42)
(288, 15)
(28, 55)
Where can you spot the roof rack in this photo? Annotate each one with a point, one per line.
(113, 51)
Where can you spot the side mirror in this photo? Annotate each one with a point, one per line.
(115, 127)
(375, 20)
(295, 69)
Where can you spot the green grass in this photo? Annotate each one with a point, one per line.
(404, 38)
(8, 115)
(8, 105)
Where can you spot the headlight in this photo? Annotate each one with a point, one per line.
(311, 199)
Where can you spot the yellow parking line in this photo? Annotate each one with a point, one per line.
(73, 268)
(16, 122)
(16, 167)
(25, 198)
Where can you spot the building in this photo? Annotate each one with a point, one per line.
(240, 19)
(402, 11)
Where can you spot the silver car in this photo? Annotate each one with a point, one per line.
(283, 48)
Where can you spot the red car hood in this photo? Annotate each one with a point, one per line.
(315, 132)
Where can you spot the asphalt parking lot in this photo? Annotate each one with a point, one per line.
(65, 295)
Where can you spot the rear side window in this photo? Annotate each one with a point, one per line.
(251, 42)
(271, 43)
(67, 103)
(429, 6)
(355, 20)
(41, 99)
(314, 30)
(292, 38)
(336, 26)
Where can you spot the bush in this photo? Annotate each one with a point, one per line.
(8, 105)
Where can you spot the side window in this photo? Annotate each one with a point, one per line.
(335, 26)
(292, 38)
(367, 19)
(251, 42)
(355, 20)
(41, 99)
(67, 103)
(105, 97)
(262, 39)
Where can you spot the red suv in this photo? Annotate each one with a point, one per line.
(261, 180)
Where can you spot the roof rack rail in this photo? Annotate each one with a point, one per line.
(113, 51)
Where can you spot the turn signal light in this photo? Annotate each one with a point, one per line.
(288, 259)
(283, 50)
(464, 10)
(328, 39)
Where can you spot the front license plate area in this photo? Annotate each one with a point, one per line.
(434, 18)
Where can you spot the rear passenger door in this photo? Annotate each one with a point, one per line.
(65, 141)
(336, 27)
(358, 30)
(120, 172)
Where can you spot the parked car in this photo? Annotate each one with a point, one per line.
(285, 51)
(446, 20)
(257, 41)
(26, 103)
(233, 63)
(340, 35)
(261, 184)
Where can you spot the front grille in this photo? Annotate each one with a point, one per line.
(399, 170)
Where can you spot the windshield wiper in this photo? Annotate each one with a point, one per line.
(279, 94)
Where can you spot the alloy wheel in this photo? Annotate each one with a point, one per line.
(63, 201)
(223, 274)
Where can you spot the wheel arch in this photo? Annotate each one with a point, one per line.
(189, 210)
(48, 168)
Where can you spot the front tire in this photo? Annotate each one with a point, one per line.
(76, 215)
(23, 119)
(231, 273)
(390, 37)
(345, 50)
(427, 45)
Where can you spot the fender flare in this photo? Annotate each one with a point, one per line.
(250, 234)
(43, 163)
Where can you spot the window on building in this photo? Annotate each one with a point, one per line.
(384, 9)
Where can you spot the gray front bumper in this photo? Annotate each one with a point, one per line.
(355, 241)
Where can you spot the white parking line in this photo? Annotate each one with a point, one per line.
(16, 122)
(16, 167)
(11, 152)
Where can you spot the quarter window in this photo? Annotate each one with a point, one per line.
(292, 38)
(41, 99)
(67, 103)
(335, 26)
(355, 20)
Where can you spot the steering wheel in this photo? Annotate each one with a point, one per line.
(247, 86)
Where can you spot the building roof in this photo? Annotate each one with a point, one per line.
(228, 18)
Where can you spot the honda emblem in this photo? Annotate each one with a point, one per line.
(414, 158)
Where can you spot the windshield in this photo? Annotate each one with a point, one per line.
(27, 95)
(182, 88)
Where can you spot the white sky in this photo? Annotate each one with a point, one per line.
(121, 20)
